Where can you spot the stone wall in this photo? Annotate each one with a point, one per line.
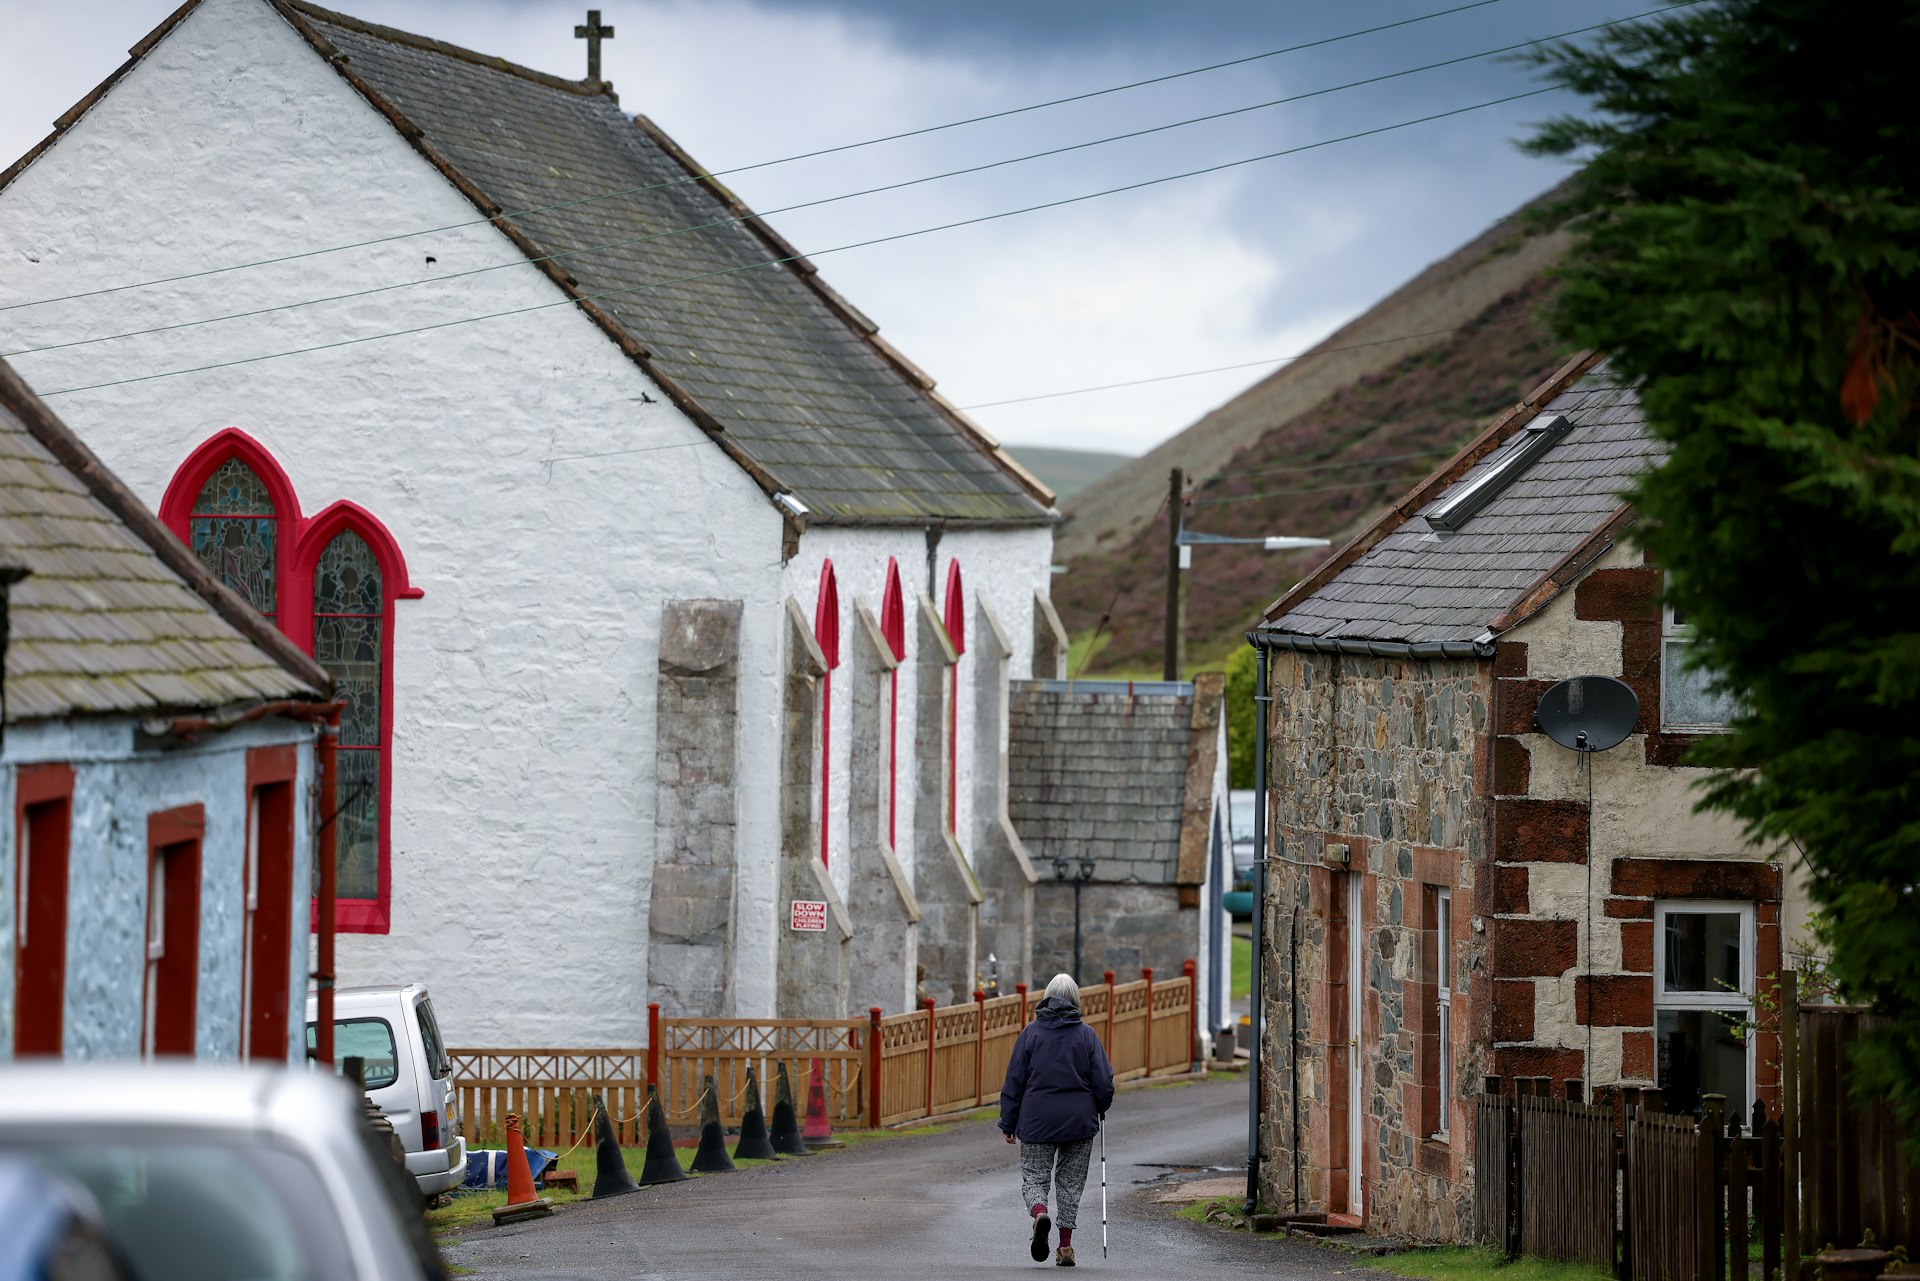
(886, 913)
(998, 854)
(1123, 927)
(950, 894)
(696, 768)
(1378, 756)
(813, 975)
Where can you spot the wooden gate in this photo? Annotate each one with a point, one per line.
(551, 1090)
(1854, 1177)
(1493, 1131)
(1670, 1187)
(1567, 1192)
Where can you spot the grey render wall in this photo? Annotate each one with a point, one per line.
(943, 879)
(696, 754)
(812, 973)
(886, 913)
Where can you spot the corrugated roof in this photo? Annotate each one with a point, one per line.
(785, 370)
(114, 615)
(1414, 585)
(1100, 773)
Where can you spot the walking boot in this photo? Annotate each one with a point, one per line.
(1042, 1224)
(1064, 1256)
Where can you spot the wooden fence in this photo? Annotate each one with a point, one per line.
(880, 1070)
(1699, 1195)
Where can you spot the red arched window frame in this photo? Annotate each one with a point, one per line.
(826, 633)
(893, 630)
(299, 541)
(954, 615)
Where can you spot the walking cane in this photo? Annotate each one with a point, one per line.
(1103, 1187)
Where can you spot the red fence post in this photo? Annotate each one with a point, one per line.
(653, 1045)
(979, 1047)
(1192, 972)
(932, 1029)
(1021, 989)
(1107, 975)
(1146, 972)
(873, 1067)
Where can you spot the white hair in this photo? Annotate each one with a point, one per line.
(1063, 986)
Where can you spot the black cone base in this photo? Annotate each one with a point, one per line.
(754, 1144)
(712, 1157)
(786, 1131)
(662, 1165)
(610, 1177)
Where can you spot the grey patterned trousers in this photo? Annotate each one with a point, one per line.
(1064, 1166)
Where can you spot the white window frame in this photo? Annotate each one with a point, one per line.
(1677, 636)
(1724, 1001)
(1443, 992)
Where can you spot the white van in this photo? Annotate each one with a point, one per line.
(407, 1073)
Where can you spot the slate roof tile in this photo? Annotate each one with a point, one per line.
(101, 623)
(1416, 585)
(798, 386)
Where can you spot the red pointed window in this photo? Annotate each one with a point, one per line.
(893, 630)
(954, 615)
(329, 582)
(826, 633)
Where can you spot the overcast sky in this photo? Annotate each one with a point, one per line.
(1251, 263)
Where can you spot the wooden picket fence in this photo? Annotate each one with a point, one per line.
(880, 1070)
(1697, 1194)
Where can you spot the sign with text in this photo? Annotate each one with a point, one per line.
(808, 917)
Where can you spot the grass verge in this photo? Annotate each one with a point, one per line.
(1478, 1263)
(1240, 973)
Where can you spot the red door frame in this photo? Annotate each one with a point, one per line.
(43, 826)
(954, 616)
(893, 629)
(268, 882)
(173, 986)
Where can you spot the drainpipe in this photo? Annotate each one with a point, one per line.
(329, 884)
(1254, 1075)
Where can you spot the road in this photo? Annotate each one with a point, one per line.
(933, 1206)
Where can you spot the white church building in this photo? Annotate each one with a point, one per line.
(674, 610)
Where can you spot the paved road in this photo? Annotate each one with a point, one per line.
(932, 1207)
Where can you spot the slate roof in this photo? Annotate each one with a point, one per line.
(114, 615)
(1412, 585)
(1093, 768)
(777, 366)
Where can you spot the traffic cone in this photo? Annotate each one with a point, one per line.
(754, 1144)
(712, 1156)
(786, 1126)
(818, 1132)
(662, 1165)
(610, 1177)
(521, 1202)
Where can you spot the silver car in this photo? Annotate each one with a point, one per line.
(207, 1173)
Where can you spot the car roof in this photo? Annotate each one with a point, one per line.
(372, 994)
(199, 1096)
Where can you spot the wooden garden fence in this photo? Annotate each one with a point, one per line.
(880, 1070)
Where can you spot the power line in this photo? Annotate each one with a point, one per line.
(627, 242)
(926, 411)
(767, 164)
(858, 244)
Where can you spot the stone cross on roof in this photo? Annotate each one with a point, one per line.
(593, 33)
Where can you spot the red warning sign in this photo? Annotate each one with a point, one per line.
(807, 916)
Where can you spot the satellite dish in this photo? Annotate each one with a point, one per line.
(1588, 713)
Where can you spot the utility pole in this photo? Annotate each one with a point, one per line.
(1176, 583)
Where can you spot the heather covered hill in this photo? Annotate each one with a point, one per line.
(1324, 471)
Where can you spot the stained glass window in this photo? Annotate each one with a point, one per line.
(234, 532)
(348, 605)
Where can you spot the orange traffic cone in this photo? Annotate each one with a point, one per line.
(818, 1132)
(521, 1202)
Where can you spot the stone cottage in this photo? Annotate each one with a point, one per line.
(679, 606)
(1121, 786)
(158, 761)
(1454, 896)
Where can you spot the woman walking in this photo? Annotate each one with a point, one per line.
(1059, 1086)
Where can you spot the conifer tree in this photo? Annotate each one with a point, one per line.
(1750, 253)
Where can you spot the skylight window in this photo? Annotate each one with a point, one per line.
(1540, 435)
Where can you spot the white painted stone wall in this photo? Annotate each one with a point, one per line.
(523, 721)
(523, 731)
(115, 788)
(1004, 566)
(1639, 811)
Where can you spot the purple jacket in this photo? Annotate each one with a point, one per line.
(1059, 1082)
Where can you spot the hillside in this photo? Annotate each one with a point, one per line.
(1322, 468)
(1066, 471)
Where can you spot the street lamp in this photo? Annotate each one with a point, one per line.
(1064, 872)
